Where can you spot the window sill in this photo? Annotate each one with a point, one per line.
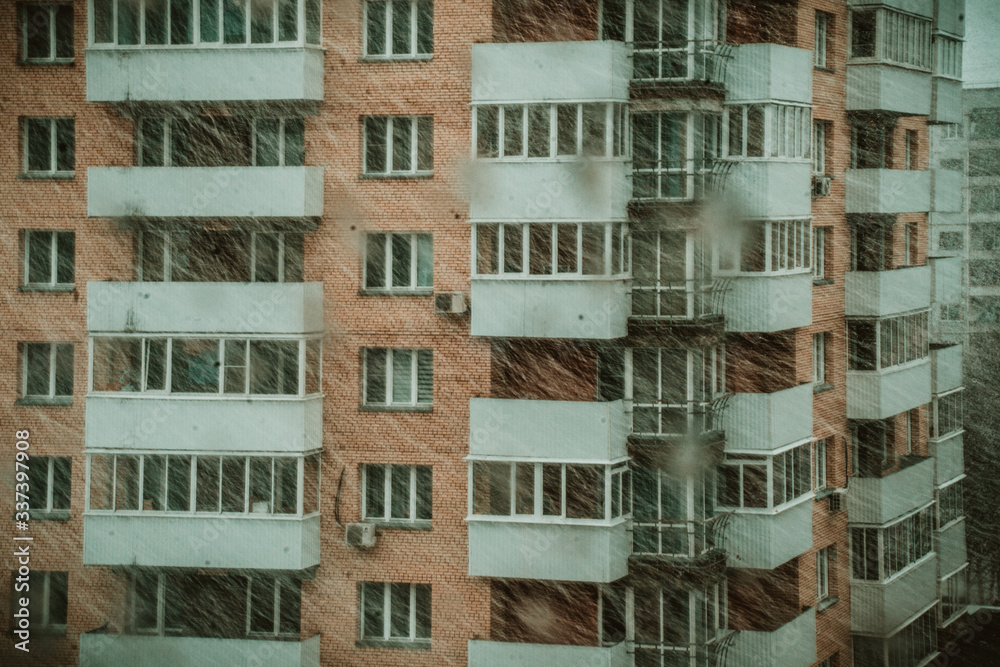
(419, 58)
(48, 176)
(419, 644)
(385, 524)
(395, 408)
(61, 289)
(826, 603)
(819, 282)
(59, 62)
(820, 388)
(828, 70)
(397, 176)
(42, 400)
(50, 515)
(423, 291)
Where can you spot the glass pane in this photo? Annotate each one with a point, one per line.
(38, 360)
(267, 142)
(425, 143)
(594, 121)
(39, 144)
(36, 26)
(425, 260)
(64, 369)
(538, 130)
(423, 611)
(146, 595)
(524, 500)
(262, 21)
(65, 145)
(401, 260)
(288, 20)
(313, 366)
(375, 144)
(313, 17)
(151, 142)
(195, 366)
(295, 148)
(285, 485)
(373, 604)
(209, 19)
(566, 129)
(233, 484)
(207, 499)
(101, 480)
(487, 131)
(310, 484)
(402, 144)
(566, 248)
(154, 471)
(402, 376)
(486, 249)
(375, 375)
(179, 483)
(376, 28)
(234, 21)
(274, 367)
(513, 131)
(375, 261)
(104, 21)
(425, 376)
(400, 493)
(593, 249)
(127, 483)
(551, 489)
(584, 492)
(181, 21)
(266, 258)
(260, 485)
(128, 22)
(425, 26)
(399, 604)
(61, 483)
(375, 491)
(424, 493)
(261, 604)
(513, 248)
(401, 44)
(294, 262)
(156, 21)
(540, 249)
(290, 607)
(39, 257)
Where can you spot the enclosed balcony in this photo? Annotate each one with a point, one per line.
(484, 653)
(946, 100)
(949, 457)
(770, 72)
(764, 540)
(791, 645)
(950, 547)
(205, 192)
(768, 421)
(923, 8)
(193, 307)
(769, 303)
(888, 366)
(879, 608)
(885, 293)
(98, 648)
(877, 500)
(947, 191)
(887, 191)
(145, 51)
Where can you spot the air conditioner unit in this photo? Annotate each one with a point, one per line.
(360, 535)
(835, 501)
(450, 303)
(821, 186)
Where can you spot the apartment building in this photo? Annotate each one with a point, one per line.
(489, 333)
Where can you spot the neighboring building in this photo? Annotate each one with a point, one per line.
(657, 375)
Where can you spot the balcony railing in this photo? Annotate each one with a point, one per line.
(879, 608)
(678, 180)
(703, 61)
(765, 540)
(791, 645)
(484, 653)
(687, 300)
(679, 539)
(767, 302)
(99, 649)
(888, 392)
(877, 500)
(689, 418)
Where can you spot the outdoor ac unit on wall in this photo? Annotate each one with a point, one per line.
(821, 186)
(450, 303)
(360, 535)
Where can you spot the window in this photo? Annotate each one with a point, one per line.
(954, 594)
(912, 150)
(211, 22)
(767, 246)
(880, 553)
(517, 131)
(863, 34)
(984, 162)
(871, 447)
(951, 241)
(984, 272)
(396, 493)
(984, 124)
(673, 622)
(568, 249)
(672, 275)
(206, 365)
(984, 236)
(673, 389)
(948, 414)
(398, 377)
(819, 237)
(189, 604)
(950, 506)
(200, 256)
(399, 28)
(47, 370)
(399, 262)
(819, 147)
(48, 600)
(48, 146)
(819, 358)
(871, 146)
(913, 645)
(911, 419)
(891, 36)
(871, 246)
(759, 481)
(771, 130)
(48, 259)
(259, 485)
(217, 141)
(49, 485)
(947, 56)
(392, 612)
(399, 145)
(910, 246)
(823, 557)
(672, 515)
(47, 33)
(984, 198)
(819, 467)
(901, 339)
(951, 312)
(823, 23)
(666, 165)
(564, 490)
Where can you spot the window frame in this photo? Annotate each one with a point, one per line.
(52, 285)
(52, 396)
(819, 235)
(819, 358)
(53, 9)
(389, 404)
(819, 146)
(41, 618)
(900, 545)
(387, 147)
(389, 259)
(53, 159)
(823, 23)
(390, 55)
(820, 464)
(385, 637)
(48, 510)
(414, 481)
(769, 462)
(823, 587)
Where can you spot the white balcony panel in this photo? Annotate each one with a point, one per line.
(205, 192)
(878, 500)
(791, 645)
(888, 191)
(251, 308)
(949, 457)
(760, 72)
(882, 394)
(110, 650)
(923, 8)
(768, 421)
(946, 283)
(204, 424)
(949, 16)
(586, 309)
(947, 190)
(550, 71)
(889, 89)
(758, 189)
(584, 190)
(560, 430)
(509, 654)
(884, 293)
(767, 303)
(950, 547)
(550, 551)
(946, 368)
(216, 541)
(946, 100)
(191, 74)
(951, 220)
(880, 608)
(766, 540)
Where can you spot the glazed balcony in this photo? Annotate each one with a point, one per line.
(878, 500)
(764, 540)
(887, 191)
(882, 87)
(951, 548)
(791, 645)
(484, 653)
(766, 422)
(879, 608)
(99, 648)
(885, 293)
(205, 192)
(768, 302)
(946, 100)
(949, 457)
(883, 393)
(923, 8)
(770, 72)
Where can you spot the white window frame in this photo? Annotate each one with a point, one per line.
(819, 358)
(901, 39)
(415, 240)
(414, 377)
(53, 348)
(616, 128)
(413, 53)
(386, 633)
(622, 239)
(415, 139)
(693, 404)
(390, 470)
(47, 500)
(52, 283)
(168, 255)
(42, 616)
(794, 253)
(819, 464)
(788, 131)
(819, 147)
(823, 574)
(52, 9)
(821, 35)
(819, 235)
(53, 146)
